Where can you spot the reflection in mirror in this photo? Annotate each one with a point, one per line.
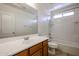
(17, 19)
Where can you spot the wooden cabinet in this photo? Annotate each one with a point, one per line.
(45, 51)
(45, 48)
(35, 48)
(38, 53)
(45, 42)
(40, 49)
(23, 53)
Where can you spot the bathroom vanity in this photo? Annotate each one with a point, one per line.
(17, 46)
(40, 49)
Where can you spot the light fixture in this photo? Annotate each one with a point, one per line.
(68, 14)
(57, 16)
(59, 5)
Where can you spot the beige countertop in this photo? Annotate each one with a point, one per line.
(13, 45)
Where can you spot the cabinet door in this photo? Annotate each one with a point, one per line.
(8, 24)
(38, 53)
(45, 42)
(45, 51)
(35, 48)
(23, 53)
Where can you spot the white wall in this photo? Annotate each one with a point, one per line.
(43, 23)
(13, 19)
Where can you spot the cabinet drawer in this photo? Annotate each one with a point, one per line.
(45, 50)
(35, 48)
(23, 53)
(45, 42)
(38, 53)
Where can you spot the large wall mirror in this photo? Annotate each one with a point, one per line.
(17, 19)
